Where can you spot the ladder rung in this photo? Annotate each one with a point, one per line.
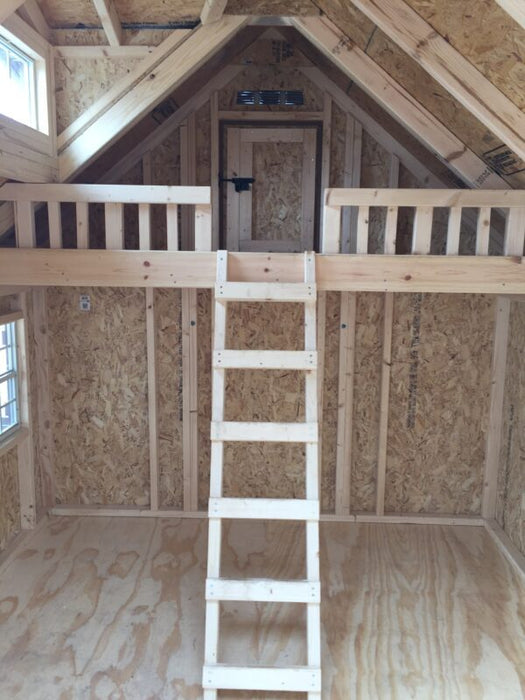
(263, 432)
(265, 291)
(295, 678)
(265, 359)
(263, 508)
(263, 590)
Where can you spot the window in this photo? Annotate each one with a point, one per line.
(8, 378)
(17, 84)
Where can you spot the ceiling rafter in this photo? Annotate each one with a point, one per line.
(110, 21)
(7, 7)
(331, 41)
(142, 94)
(450, 68)
(30, 11)
(213, 10)
(514, 8)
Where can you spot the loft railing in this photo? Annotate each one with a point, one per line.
(28, 200)
(362, 221)
(434, 221)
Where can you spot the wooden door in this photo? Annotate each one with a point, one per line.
(278, 212)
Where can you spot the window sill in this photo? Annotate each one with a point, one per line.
(12, 440)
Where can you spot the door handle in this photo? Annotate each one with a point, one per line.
(242, 184)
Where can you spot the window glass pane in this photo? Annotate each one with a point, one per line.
(9, 383)
(16, 84)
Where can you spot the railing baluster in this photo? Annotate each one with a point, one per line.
(172, 226)
(114, 215)
(363, 217)
(483, 231)
(331, 239)
(82, 209)
(203, 236)
(145, 227)
(25, 224)
(391, 230)
(55, 224)
(453, 230)
(422, 233)
(515, 232)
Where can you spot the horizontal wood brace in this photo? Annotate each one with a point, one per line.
(263, 291)
(464, 274)
(120, 194)
(370, 197)
(263, 590)
(263, 432)
(295, 678)
(265, 359)
(263, 509)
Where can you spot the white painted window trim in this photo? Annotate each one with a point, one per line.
(42, 137)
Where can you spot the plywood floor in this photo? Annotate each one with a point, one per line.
(100, 608)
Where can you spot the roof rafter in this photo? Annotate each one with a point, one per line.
(138, 94)
(8, 7)
(110, 21)
(329, 39)
(450, 68)
(30, 11)
(213, 10)
(515, 8)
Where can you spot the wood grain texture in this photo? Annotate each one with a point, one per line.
(115, 608)
(510, 504)
(9, 498)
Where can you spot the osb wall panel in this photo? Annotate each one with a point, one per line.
(34, 401)
(99, 396)
(367, 385)
(485, 34)
(272, 7)
(9, 498)
(375, 172)
(511, 477)
(337, 147)
(79, 83)
(169, 387)
(439, 395)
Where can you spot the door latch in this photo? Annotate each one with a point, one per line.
(242, 184)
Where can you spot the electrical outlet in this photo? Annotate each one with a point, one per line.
(85, 302)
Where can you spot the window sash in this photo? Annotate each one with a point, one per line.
(9, 391)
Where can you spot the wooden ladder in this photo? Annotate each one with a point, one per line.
(218, 676)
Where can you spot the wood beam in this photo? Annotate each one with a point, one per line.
(137, 94)
(368, 273)
(515, 8)
(450, 68)
(8, 7)
(376, 82)
(213, 10)
(110, 21)
(30, 11)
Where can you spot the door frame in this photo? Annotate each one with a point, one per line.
(259, 122)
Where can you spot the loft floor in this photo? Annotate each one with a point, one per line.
(114, 608)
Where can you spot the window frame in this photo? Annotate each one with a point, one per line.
(15, 318)
(25, 39)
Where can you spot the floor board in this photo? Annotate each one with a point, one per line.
(100, 608)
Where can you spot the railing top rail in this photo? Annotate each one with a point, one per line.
(340, 197)
(122, 194)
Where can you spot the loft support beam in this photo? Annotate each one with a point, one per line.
(450, 68)
(213, 11)
(375, 81)
(110, 21)
(368, 273)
